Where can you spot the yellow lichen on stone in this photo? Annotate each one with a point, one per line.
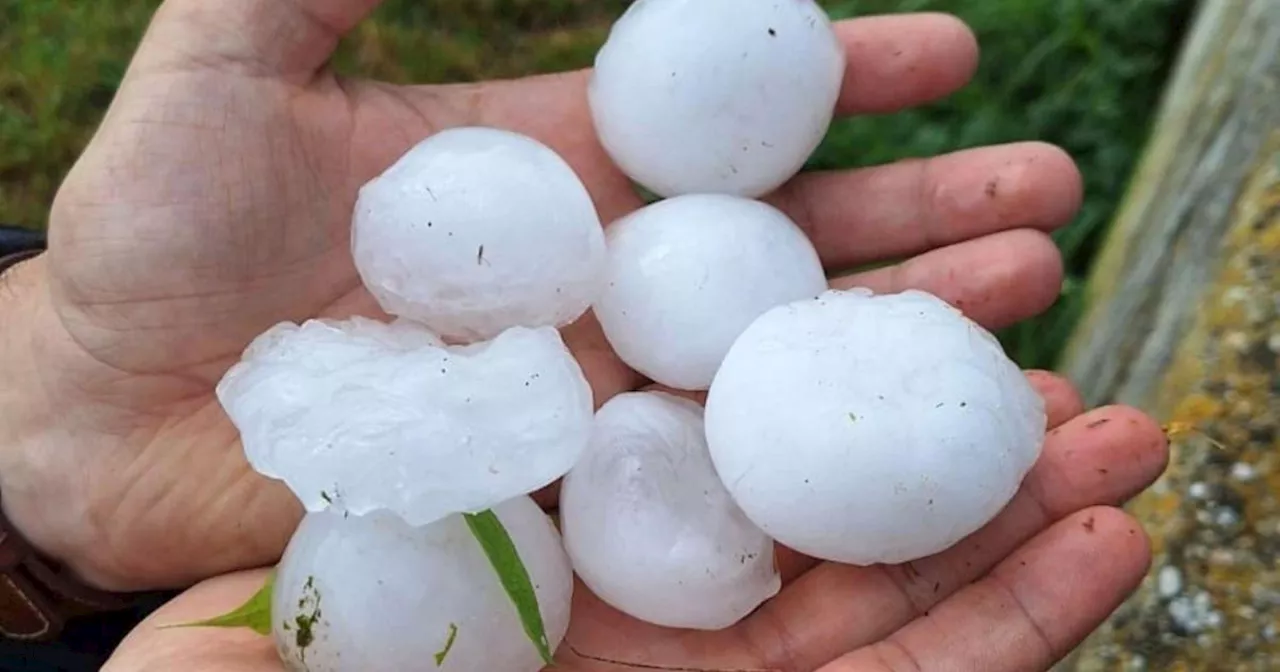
(1196, 409)
(1212, 599)
(1269, 242)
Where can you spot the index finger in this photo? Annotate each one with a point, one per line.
(902, 60)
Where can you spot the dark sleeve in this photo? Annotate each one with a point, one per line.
(85, 644)
(14, 239)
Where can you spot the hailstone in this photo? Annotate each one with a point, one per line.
(716, 96)
(686, 275)
(871, 429)
(375, 594)
(650, 528)
(476, 230)
(366, 416)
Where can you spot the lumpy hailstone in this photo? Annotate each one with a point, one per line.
(650, 528)
(374, 594)
(716, 96)
(476, 230)
(369, 416)
(867, 429)
(686, 275)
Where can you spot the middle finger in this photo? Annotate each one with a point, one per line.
(865, 215)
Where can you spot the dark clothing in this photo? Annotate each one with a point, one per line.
(17, 239)
(85, 645)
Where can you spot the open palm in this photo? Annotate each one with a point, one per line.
(216, 199)
(1014, 597)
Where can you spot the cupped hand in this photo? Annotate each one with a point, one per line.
(215, 200)
(1015, 596)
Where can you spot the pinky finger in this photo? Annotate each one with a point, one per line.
(1030, 611)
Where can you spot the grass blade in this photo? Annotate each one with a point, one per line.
(254, 614)
(513, 575)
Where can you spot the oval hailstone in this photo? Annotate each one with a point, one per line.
(650, 528)
(373, 593)
(716, 96)
(871, 429)
(476, 230)
(686, 275)
(368, 416)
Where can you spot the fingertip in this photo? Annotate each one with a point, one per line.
(900, 60)
(1140, 423)
(1036, 280)
(1117, 537)
(1062, 400)
(1060, 191)
(996, 280)
(1139, 430)
(1074, 575)
(1032, 609)
(1103, 456)
(958, 39)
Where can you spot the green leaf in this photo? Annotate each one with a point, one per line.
(502, 554)
(448, 644)
(254, 614)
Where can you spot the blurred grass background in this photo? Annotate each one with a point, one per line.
(1084, 74)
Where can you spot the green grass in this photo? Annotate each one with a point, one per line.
(1083, 74)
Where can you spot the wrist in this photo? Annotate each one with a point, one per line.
(51, 471)
(36, 483)
(44, 582)
(33, 480)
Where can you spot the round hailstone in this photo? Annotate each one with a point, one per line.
(650, 528)
(871, 429)
(476, 230)
(688, 274)
(366, 416)
(372, 594)
(716, 96)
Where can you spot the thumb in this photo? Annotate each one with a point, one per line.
(152, 646)
(285, 39)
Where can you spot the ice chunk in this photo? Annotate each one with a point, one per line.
(686, 275)
(375, 594)
(476, 230)
(650, 528)
(368, 416)
(716, 96)
(867, 429)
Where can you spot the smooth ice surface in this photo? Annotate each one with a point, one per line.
(716, 96)
(365, 416)
(476, 230)
(650, 528)
(686, 275)
(373, 594)
(867, 429)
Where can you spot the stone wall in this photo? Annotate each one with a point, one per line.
(1184, 322)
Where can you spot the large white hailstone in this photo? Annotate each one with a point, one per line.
(651, 529)
(476, 230)
(367, 416)
(716, 96)
(871, 429)
(375, 594)
(688, 274)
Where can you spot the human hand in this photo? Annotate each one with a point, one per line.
(215, 201)
(1014, 597)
